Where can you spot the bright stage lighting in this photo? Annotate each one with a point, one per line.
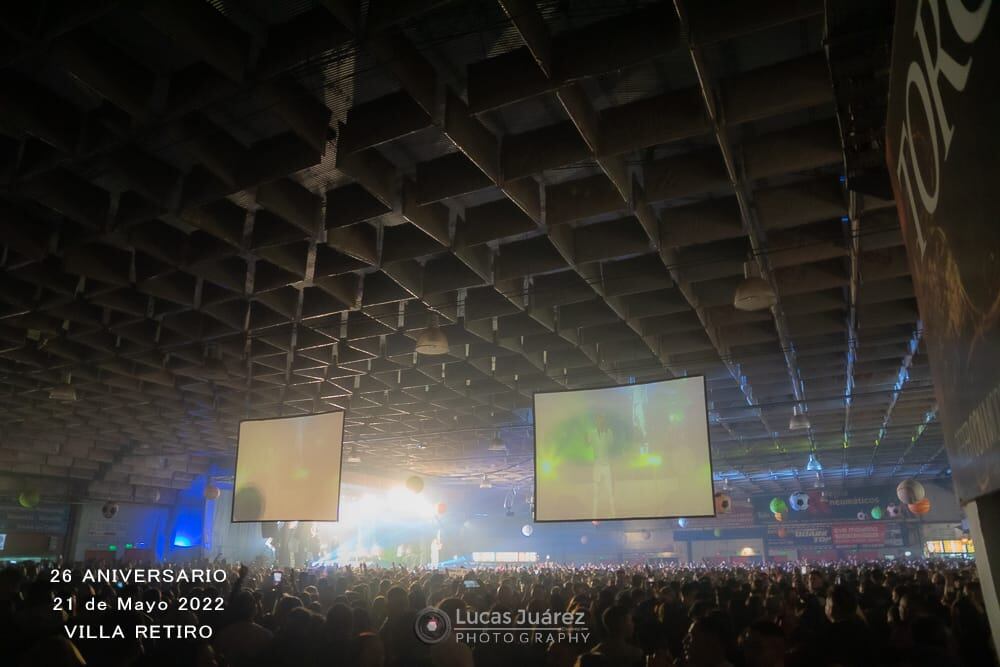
(371, 519)
(400, 501)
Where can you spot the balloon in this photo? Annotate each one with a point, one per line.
(527, 529)
(799, 501)
(415, 484)
(583, 539)
(29, 499)
(920, 507)
(892, 509)
(778, 516)
(862, 516)
(109, 510)
(212, 492)
(910, 491)
(723, 503)
(778, 506)
(682, 522)
(876, 512)
(440, 508)
(595, 523)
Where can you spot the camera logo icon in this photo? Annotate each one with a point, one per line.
(432, 625)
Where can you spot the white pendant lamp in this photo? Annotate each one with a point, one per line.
(496, 444)
(754, 293)
(432, 340)
(799, 421)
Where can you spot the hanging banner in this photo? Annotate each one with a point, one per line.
(879, 534)
(44, 518)
(941, 149)
(874, 534)
(821, 505)
(799, 535)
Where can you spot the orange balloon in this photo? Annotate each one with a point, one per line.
(778, 516)
(921, 506)
(212, 492)
(441, 508)
(782, 532)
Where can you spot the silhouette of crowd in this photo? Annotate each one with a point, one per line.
(834, 614)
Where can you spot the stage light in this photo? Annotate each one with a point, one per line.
(400, 501)
(213, 368)
(813, 465)
(508, 503)
(798, 421)
(432, 340)
(497, 444)
(63, 392)
(754, 294)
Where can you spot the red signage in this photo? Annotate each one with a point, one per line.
(847, 534)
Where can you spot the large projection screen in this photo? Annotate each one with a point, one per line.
(637, 451)
(288, 469)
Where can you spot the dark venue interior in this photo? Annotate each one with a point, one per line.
(453, 333)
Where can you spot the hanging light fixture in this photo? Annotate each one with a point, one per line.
(213, 368)
(754, 293)
(352, 456)
(432, 340)
(813, 465)
(799, 421)
(485, 482)
(63, 392)
(497, 444)
(508, 503)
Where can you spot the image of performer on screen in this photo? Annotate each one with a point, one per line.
(601, 439)
(639, 402)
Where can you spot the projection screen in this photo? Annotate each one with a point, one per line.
(288, 469)
(637, 451)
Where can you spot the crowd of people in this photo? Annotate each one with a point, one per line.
(895, 614)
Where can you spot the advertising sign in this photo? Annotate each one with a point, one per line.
(820, 505)
(941, 150)
(44, 518)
